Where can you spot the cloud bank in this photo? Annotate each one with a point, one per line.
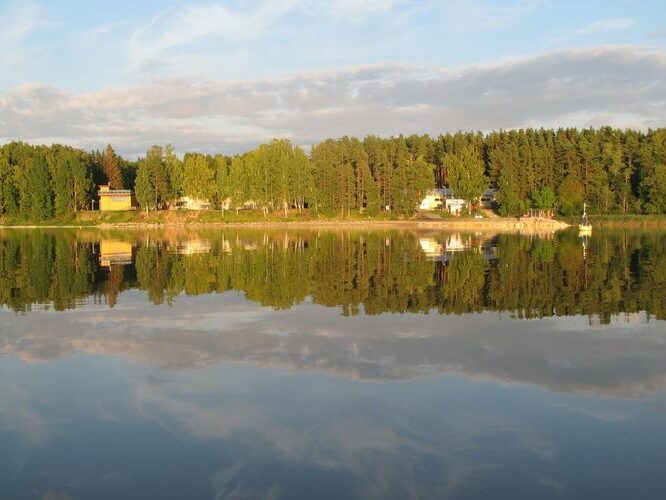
(619, 86)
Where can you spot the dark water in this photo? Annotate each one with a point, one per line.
(313, 364)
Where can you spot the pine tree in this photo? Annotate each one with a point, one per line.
(40, 194)
(7, 194)
(159, 178)
(111, 168)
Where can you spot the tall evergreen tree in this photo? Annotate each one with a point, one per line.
(40, 194)
(111, 168)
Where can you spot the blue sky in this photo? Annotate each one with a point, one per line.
(228, 74)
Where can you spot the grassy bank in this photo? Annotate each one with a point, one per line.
(185, 217)
(624, 221)
(249, 218)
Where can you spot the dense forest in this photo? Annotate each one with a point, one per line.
(358, 272)
(613, 171)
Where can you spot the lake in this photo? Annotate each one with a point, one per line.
(241, 363)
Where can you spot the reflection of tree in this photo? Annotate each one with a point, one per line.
(373, 272)
(465, 282)
(113, 284)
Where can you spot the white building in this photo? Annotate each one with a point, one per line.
(434, 200)
(488, 198)
(442, 199)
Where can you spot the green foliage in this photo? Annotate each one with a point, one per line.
(111, 168)
(40, 203)
(8, 203)
(613, 171)
(655, 190)
(466, 174)
(72, 184)
(544, 198)
(175, 173)
(572, 196)
(144, 190)
(198, 178)
(358, 272)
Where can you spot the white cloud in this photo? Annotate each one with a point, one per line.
(605, 25)
(658, 34)
(356, 9)
(619, 86)
(479, 15)
(18, 21)
(171, 29)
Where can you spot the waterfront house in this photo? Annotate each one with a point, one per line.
(115, 199)
(488, 198)
(442, 199)
(434, 199)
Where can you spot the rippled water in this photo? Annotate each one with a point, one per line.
(332, 364)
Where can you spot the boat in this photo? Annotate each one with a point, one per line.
(584, 228)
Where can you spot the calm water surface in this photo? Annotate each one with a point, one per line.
(314, 364)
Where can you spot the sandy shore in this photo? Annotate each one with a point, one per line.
(493, 225)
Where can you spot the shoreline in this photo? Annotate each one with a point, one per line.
(492, 224)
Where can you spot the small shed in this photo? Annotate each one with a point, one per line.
(115, 199)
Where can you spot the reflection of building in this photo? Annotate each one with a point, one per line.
(442, 249)
(455, 243)
(114, 252)
(188, 203)
(191, 247)
(115, 199)
(431, 247)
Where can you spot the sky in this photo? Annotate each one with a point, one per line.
(223, 76)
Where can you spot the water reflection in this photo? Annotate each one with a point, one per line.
(625, 359)
(359, 273)
(246, 381)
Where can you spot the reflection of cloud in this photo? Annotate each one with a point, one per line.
(621, 86)
(317, 431)
(561, 354)
(18, 413)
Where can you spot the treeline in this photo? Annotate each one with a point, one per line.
(42, 182)
(611, 170)
(360, 273)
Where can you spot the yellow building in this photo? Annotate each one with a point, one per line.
(115, 199)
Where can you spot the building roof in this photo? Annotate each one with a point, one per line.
(116, 192)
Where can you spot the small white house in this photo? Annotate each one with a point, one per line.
(454, 205)
(488, 198)
(442, 199)
(434, 200)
